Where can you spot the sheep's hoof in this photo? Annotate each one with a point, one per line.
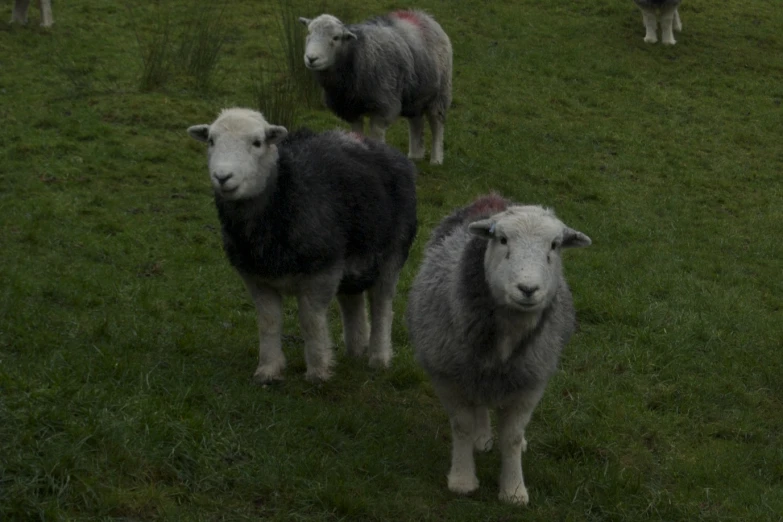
(318, 375)
(517, 496)
(463, 485)
(268, 373)
(434, 161)
(416, 155)
(668, 41)
(354, 351)
(483, 442)
(651, 39)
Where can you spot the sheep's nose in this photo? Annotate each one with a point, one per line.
(222, 178)
(311, 59)
(528, 291)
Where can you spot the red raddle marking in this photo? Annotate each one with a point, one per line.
(488, 205)
(356, 136)
(408, 16)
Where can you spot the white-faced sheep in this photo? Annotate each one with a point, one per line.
(315, 216)
(670, 19)
(19, 14)
(488, 314)
(392, 65)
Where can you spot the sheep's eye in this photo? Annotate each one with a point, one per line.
(554, 245)
(335, 38)
(503, 240)
(257, 143)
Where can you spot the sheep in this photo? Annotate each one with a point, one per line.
(488, 315)
(392, 65)
(20, 12)
(669, 16)
(314, 216)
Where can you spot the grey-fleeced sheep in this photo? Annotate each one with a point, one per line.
(488, 314)
(669, 16)
(19, 14)
(314, 216)
(392, 65)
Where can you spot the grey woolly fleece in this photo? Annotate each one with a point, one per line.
(452, 318)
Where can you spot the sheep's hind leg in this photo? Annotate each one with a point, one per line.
(436, 125)
(382, 315)
(667, 24)
(483, 436)
(378, 126)
(46, 13)
(512, 420)
(462, 418)
(313, 301)
(356, 331)
(416, 138)
(19, 14)
(269, 308)
(677, 21)
(650, 25)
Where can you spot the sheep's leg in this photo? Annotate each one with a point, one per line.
(313, 307)
(378, 126)
(462, 418)
(483, 436)
(358, 126)
(512, 420)
(416, 138)
(436, 125)
(269, 308)
(382, 314)
(46, 13)
(356, 331)
(19, 14)
(677, 21)
(667, 24)
(650, 25)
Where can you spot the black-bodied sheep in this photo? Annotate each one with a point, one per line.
(392, 65)
(670, 19)
(488, 314)
(315, 216)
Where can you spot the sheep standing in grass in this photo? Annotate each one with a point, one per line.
(19, 14)
(670, 19)
(488, 314)
(398, 64)
(315, 216)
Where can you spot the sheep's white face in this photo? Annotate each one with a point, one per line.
(522, 261)
(325, 35)
(242, 152)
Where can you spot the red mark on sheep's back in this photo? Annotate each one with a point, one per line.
(356, 136)
(408, 16)
(488, 205)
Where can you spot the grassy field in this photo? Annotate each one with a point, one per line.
(127, 342)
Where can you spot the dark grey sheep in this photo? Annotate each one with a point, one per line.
(392, 65)
(314, 216)
(488, 314)
(669, 16)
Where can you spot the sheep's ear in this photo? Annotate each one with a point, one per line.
(275, 134)
(199, 132)
(348, 35)
(304, 21)
(484, 228)
(575, 239)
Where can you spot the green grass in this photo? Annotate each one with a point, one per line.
(127, 342)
